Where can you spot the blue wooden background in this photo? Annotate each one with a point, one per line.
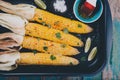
(111, 71)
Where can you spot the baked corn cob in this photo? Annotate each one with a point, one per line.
(20, 26)
(61, 23)
(37, 30)
(32, 13)
(48, 46)
(34, 43)
(45, 59)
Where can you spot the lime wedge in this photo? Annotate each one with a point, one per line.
(87, 44)
(92, 54)
(40, 4)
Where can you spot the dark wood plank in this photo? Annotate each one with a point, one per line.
(11, 78)
(112, 71)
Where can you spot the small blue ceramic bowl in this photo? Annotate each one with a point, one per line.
(96, 15)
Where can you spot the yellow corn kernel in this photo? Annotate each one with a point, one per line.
(48, 46)
(61, 23)
(45, 59)
(37, 30)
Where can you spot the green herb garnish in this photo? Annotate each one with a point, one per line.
(71, 63)
(58, 35)
(65, 30)
(43, 23)
(52, 57)
(83, 59)
(63, 45)
(79, 25)
(45, 48)
(35, 51)
(40, 18)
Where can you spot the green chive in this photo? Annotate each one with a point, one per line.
(45, 48)
(79, 25)
(52, 57)
(58, 35)
(65, 30)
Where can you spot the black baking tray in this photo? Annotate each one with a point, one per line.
(101, 37)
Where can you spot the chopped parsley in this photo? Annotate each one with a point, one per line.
(65, 30)
(52, 57)
(43, 23)
(45, 48)
(40, 18)
(79, 25)
(58, 35)
(71, 63)
(35, 51)
(63, 45)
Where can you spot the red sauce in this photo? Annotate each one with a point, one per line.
(86, 9)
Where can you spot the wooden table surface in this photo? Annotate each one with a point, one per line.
(111, 71)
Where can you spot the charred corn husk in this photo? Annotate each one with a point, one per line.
(58, 22)
(48, 46)
(45, 59)
(36, 30)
